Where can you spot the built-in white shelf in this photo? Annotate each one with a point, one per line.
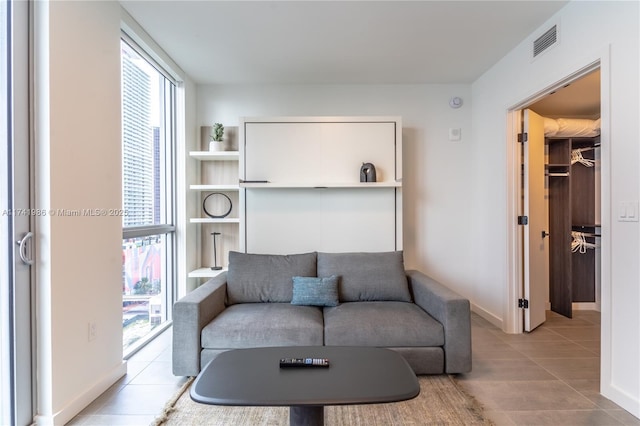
(206, 273)
(215, 155)
(320, 185)
(212, 220)
(231, 187)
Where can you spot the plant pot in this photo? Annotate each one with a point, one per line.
(216, 146)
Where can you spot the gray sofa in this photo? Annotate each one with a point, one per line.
(309, 299)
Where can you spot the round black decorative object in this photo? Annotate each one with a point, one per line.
(217, 216)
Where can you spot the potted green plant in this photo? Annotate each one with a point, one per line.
(216, 143)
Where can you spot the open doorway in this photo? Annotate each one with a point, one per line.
(560, 201)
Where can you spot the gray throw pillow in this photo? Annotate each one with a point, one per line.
(367, 276)
(315, 291)
(256, 278)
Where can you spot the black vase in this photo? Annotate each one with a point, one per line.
(367, 172)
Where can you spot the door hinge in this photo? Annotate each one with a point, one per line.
(523, 137)
(523, 303)
(523, 220)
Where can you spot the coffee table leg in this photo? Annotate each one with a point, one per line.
(306, 416)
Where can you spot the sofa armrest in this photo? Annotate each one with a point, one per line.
(453, 312)
(190, 314)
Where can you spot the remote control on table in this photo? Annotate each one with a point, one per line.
(303, 362)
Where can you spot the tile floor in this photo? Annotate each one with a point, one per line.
(547, 377)
(550, 376)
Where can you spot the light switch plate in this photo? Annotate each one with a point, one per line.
(628, 211)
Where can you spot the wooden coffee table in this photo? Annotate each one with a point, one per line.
(357, 375)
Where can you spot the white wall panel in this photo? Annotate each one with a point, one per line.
(285, 221)
(282, 221)
(357, 220)
(278, 152)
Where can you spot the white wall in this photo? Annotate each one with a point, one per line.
(436, 188)
(588, 31)
(78, 158)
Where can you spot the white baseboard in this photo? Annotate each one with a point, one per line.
(487, 315)
(585, 306)
(83, 400)
(631, 403)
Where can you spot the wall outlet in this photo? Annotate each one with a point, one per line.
(93, 331)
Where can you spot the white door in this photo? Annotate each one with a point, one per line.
(536, 243)
(15, 219)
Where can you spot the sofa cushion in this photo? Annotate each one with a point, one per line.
(367, 276)
(248, 325)
(315, 291)
(384, 324)
(266, 277)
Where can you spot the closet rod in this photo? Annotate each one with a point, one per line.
(557, 174)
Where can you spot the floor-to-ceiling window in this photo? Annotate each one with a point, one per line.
(16, 361)
(148, 168)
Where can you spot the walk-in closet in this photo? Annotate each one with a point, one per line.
(573, 177)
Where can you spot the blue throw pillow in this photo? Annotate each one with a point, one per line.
(314, 291)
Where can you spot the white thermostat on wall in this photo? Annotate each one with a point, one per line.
(455, 102)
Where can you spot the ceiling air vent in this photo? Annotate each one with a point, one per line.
(545, 41)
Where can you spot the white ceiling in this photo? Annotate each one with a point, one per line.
(353, 42)
(338, 42)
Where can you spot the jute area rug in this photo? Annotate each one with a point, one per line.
(441, 402)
